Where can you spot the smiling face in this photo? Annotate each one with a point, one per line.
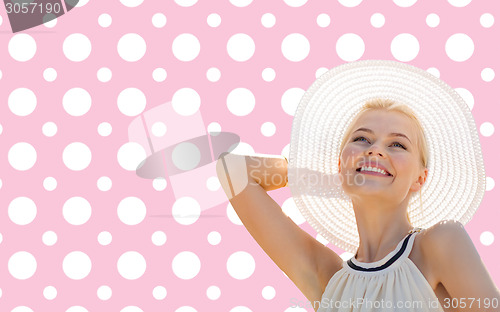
(386, 139)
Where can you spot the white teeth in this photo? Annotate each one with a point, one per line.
(373, 169)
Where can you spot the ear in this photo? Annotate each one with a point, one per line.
(417, 185)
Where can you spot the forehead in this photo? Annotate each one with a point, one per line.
(382, 122)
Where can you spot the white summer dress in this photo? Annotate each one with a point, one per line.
(393, 283)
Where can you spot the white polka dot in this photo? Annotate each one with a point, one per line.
(159, 74)
(104, 129)
(104, 238)
(49, 23)
(467, 96)
(22, 210)
(131, 3)
(459, 47)
(241, 148)
(295, 3)
(350, 3)
(104, 74)
(159, 292)
(377, 20)
(186, 210)
(131, 102)
(405, 47)
(214, 238)
(50, 292)
(240, 265)
(350, 47)
(286, 151)
(21, 309)
(159, 20)
(186, 265)
(321, 239)
(268, 74)
(405, 3)
(214, 20)
(186, 156)
(77, 47)
(487, 74)
(434, 71)
(459, 3)
(232, 215)
(295, 47)
(186, 309)
(77, 210)
(159, 238)
(291, 210)
(130, 155)
(77, 309)
(186, 3)
(22, 101)
(268, 292)
(214, 128)
(131, 47)
(50, 74)
(346, 256)
(131, 309)
(159, 129)
(22, 47)
(213, 184)
(159, 184)
(487, 238)
(268, 20)
(290, 100)
(240, 47)
(104, 292)
(320, 71)
(77, 265)
(131, 210)
(268, 129)
(22, 265)
(487, 129)
(490, 183)
(186, 101)
(213, 292)
(49, 238)
(487, 20)
(104, 20)
(77, 101)
(22, 156)
(49, 183)
(82, 3)
(240, 101)
(77, 156)
(240, 309)
(213, 74)
(186, 47)
(323, 20)
(241, 3)
(131, 265)
(104, 184)
(432, 20)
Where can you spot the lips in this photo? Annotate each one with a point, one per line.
(374, 172)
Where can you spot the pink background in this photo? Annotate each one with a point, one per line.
(247, 281)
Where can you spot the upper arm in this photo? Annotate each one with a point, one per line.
(458, 266)
(300, 256)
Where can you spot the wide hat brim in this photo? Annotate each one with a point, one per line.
(455, 183)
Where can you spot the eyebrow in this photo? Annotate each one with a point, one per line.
(392, 134)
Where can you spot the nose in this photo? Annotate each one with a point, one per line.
(374, 150)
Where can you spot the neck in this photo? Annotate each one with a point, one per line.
(381, 226)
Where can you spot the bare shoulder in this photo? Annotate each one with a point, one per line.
(440, 239)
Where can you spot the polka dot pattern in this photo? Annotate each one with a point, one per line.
(77, 211)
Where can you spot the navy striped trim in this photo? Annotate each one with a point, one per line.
(385, 265)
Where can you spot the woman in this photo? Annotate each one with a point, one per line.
(358, 157)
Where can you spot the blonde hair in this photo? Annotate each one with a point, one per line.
(392, 106)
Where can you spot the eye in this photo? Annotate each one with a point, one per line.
(399, 144)
(356, 139)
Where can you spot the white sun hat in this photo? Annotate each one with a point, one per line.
(455, 183)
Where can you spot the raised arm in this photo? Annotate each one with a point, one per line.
(246, 180)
